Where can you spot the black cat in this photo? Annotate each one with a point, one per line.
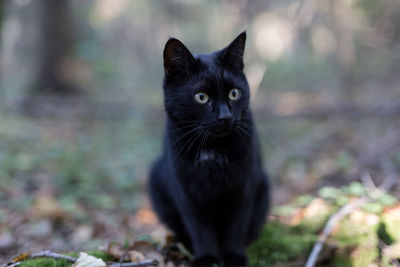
(208, 186)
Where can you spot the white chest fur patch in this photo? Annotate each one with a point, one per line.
(207, 156)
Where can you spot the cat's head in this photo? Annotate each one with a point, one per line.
(206, 90)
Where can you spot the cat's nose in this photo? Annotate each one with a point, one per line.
(224, 116)
(226, 122)
(224, 113)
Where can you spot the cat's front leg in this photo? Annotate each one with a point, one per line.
(203, 239)
(205, 261)
(232, 237)
(200, 227)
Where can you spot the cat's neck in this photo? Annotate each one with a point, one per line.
(193, 142)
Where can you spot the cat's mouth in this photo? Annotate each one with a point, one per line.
(222, 131)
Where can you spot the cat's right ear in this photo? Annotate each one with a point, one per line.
(177, 57)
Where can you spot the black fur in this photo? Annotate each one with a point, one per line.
(208, 186)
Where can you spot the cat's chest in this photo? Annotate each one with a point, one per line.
(212, 158)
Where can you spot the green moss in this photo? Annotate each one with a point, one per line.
(392, 226)
(357, 244)
(280, 243)
(354, 234)
(45, 262)
(50, 262)
(101, 254)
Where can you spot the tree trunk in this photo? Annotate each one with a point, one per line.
(57, 43)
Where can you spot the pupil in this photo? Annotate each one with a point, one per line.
(201, 97)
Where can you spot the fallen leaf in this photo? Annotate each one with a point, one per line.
(21, 257)
(146, 216)
(135, 256)
(393, 212)
(86, 260)
(359, 216)
(142, 246)
(116, 250)
(317, 207)
(48, 206)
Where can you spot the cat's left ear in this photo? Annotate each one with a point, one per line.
(233, 53)
(177, 58)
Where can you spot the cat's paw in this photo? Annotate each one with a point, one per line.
(206, 261)
(234, 260)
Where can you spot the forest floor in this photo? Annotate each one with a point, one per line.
(75, 180)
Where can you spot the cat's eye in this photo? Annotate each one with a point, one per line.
(201, 97)
(234, 94)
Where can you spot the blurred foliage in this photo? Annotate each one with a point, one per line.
(280, 243)
(75, 164)
(293, 45)
(358, 240)
(90, 159)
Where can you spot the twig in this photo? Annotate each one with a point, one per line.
(329, 226)
(50, 254)
(383, 246)
(345, 210)
(135, 264)
(368, 183)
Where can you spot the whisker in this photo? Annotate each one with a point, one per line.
(189, 145)
(185, 135)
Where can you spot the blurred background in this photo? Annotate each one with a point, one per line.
(81, 113)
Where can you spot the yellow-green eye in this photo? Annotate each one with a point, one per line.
(201, 97)
(234, 94)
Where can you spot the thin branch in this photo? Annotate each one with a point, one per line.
(347, 209)
(339, 215)
(383, 246)
(135, 264)
(50, 254)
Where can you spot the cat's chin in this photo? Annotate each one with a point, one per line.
(220, 134)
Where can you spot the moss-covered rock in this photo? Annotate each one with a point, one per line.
(280, 243)
(45, 262)
(50, 262)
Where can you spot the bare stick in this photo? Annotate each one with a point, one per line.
(345, 210)
(383, 246)
(135, 264)
(50, 254)
(329, 226)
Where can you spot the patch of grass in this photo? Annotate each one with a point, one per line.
(280, 243)
(45, 262)
(50, 262)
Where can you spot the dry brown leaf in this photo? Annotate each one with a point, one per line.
(21, 257)
(359, 216)
(142, 246)
(135, 256)
(317, 207)
(146, 216)
(392, 212)
(160, 234)
(47, 206)
(116, 250)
